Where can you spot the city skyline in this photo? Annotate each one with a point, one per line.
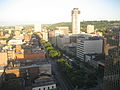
(53, 11)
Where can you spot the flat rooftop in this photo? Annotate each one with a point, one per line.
(43, 81)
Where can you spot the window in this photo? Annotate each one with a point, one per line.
(43, 88)
(39, 89)
(52, 86)
(48, 88)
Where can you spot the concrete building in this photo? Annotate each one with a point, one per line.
(15, 41)
(6, 35)
(86, 48)
(28, 68)
(75, 21)
(27, 38)
(90, 29)
(17, 33)
(29, 54)
(99, 33)
(65, 30)
(74, 37)
(37, 28)
(111, 79)
(18, 28)
(44, 83)
(44, 34)
(62, 41)
(10, 54)
(53, 35)
(3, 41)
(2, 33)
(9, 31)
(3, 58)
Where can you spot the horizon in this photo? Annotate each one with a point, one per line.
(17, 24)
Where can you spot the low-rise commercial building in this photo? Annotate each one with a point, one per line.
(3, 41)
(90, 29)
(28, 69)
(44, 83)
(15, 41)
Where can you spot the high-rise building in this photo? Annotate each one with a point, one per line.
(86, 48)
(112, 68)
(75, 21)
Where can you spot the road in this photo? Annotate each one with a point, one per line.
(64, 84)
(76, 63)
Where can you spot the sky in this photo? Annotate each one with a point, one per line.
(55, 11)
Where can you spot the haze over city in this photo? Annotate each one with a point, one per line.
(54, 11)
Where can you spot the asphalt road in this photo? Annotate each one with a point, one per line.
(64, 84)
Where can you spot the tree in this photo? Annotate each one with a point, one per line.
(47, 44)
(49, 48)
(54, 54)
(91, 80)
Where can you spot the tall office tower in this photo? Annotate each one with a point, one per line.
(112, 68)
(86, 48)
(75, 21)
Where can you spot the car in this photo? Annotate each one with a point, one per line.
(70, 59)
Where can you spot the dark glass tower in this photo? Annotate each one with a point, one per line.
(112, 69)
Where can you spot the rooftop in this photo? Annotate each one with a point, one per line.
(43, 81)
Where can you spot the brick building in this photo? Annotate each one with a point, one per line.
(3, 58)
(28, 54)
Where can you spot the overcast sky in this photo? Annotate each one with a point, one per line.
(54, 11)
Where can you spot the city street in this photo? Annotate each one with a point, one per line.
(64, 84)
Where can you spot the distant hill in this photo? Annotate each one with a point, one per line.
(62, 24)
(99, 25)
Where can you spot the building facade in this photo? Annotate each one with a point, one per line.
(85, 48)
(75, 21)
(90, 29)
(62, 41)
(3, 58)
(44, 83)
(37, 28)
(112, 69)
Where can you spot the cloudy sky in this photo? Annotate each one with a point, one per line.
(54, 11)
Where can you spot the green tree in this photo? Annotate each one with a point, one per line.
(47, 44)
(54, 54)
(49, 48)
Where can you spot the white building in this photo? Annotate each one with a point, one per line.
(75, 21)
(18, 28)
(86, 48)
(44, 34)
(44, 83)
(63, 30)
(90, 29)
(37, 28)
(15, 42)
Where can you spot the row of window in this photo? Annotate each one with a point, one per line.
(44, 88)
